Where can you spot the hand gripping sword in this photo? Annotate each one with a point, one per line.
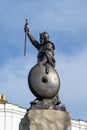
(25, 37)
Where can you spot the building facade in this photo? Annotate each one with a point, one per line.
(79, 124)
(10, 115)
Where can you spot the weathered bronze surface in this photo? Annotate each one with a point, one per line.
(42, 84)
(45, 47)
(43, 80)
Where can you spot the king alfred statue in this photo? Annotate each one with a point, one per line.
(43, 79)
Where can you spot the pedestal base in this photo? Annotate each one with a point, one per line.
(41, 119)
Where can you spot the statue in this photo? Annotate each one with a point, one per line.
(43, 80)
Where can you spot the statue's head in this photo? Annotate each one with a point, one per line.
(44, 37)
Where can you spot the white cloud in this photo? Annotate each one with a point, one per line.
(73, 75)
(13, 81)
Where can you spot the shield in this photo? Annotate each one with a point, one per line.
(44, 81)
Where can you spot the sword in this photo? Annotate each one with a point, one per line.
(26, 23)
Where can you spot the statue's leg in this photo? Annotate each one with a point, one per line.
(59, 101)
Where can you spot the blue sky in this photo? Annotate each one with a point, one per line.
(66, 23)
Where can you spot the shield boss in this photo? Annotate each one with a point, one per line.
(43, 81)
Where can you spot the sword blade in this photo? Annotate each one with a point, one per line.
(25, 45)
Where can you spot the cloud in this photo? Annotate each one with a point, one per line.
(73, 76)
(13, 81)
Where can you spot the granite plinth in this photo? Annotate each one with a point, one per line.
(41, 119)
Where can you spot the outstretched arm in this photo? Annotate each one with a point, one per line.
(31, 38)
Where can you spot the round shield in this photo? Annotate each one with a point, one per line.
(43, 81)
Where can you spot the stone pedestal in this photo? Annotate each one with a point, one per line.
(41, 119)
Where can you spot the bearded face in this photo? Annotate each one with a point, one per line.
(44, 37)
(41, 39)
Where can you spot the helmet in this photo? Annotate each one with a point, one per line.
(44, 36)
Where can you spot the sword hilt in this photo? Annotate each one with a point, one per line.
(26, 23)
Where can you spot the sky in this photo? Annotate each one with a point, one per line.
(66, 23)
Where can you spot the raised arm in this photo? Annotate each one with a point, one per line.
(31, 38)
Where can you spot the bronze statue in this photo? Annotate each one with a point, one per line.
(45, 47)
(43, 79)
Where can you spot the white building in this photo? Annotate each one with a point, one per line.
(79, 125)
(11, 115)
